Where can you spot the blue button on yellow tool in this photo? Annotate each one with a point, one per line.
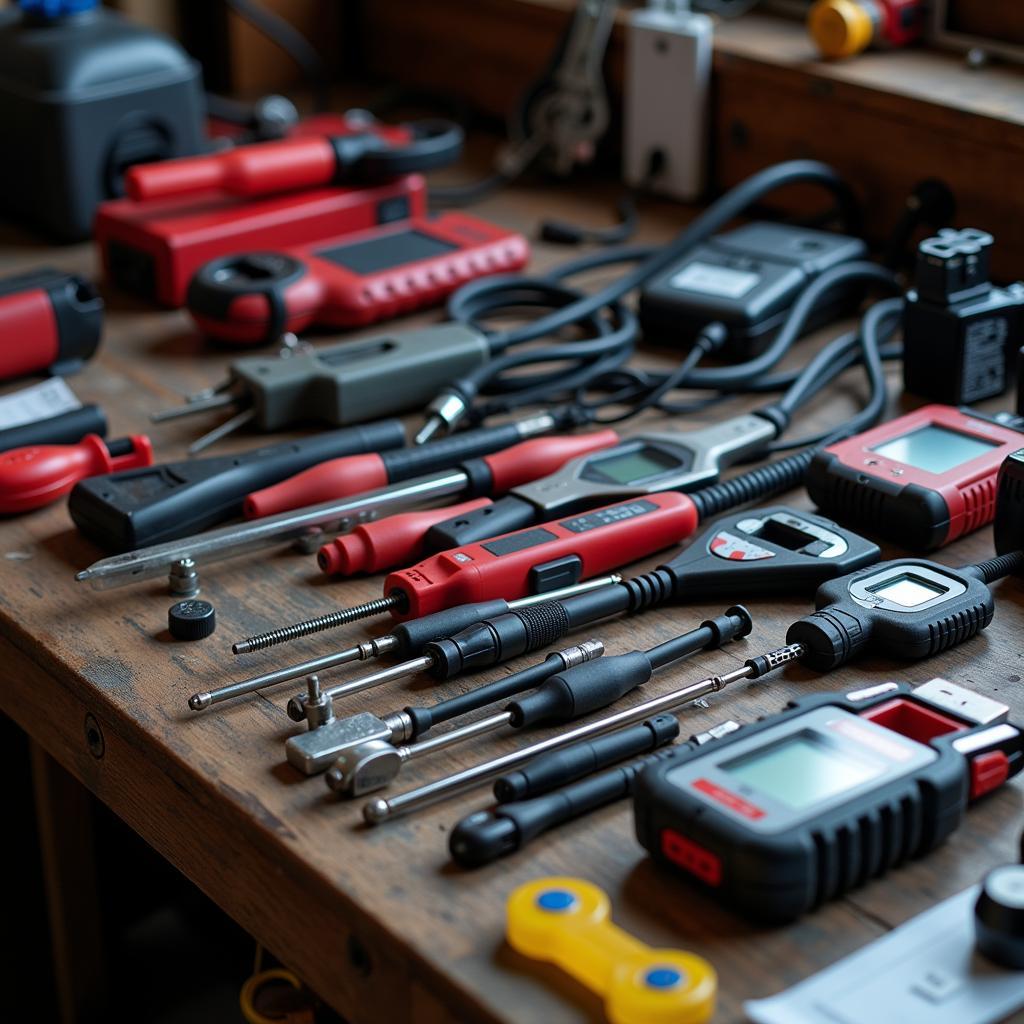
(566, 921)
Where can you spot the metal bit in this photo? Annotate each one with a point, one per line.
(377, 811)
(240, 419)
(183, 580)
(205, 401)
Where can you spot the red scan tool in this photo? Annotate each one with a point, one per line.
(921, 480)
(38, 475)
(50, 322)
(153, 247)
(542, 558)
(351, 280)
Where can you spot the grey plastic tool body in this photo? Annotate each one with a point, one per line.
(359, 380)
(922, 971)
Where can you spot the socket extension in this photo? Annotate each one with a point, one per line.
(668, 75)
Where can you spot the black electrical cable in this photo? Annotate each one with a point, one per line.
(612, 327)
(284, 34)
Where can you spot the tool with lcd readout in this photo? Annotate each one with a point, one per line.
(921, 480)
(356, 279)
(803, 806)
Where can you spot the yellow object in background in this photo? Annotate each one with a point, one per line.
(566, 921)
(840, 28)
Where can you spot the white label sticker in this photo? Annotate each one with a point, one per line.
(712, 280)
(39, 402)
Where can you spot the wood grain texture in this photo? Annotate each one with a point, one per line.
(378, 921)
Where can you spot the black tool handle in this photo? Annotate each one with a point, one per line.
(423, 718)
(67, 428)
(449, 451)
(414, 634)
(560, 767)
(506, 515)
(138, 507)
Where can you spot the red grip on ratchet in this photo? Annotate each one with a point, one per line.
(531, 460)
(336, 478)
(35, 476)
(545, 557)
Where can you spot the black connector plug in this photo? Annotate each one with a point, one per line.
(961, 334)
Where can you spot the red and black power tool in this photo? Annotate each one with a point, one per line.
(152, 246)
(50, 322)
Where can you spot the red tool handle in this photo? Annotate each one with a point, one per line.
(30, 329)
(396, 540)
(336, 478)
(246, 171)
(531, 460)
(545, 557)
(35, 476)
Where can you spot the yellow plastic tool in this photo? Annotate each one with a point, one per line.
(840, 28)
(566, 921)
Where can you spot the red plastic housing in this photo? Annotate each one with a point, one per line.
(336, 478)
(30, 332)
(520, 563)
(903, 21)
(328, 294)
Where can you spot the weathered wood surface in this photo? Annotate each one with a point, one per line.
(379, 922)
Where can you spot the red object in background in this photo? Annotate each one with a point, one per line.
(253, 298)
(153, 247)
(50, 322)
(38, 475)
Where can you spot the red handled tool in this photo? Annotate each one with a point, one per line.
(399, 539)
(299, 162)
(51, 322)
(338, 478)
(36, 476)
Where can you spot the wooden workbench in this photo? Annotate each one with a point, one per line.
(378, 921)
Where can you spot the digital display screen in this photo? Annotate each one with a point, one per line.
(636, 465)
(800, 771)
(934, 449)
(386, 251)
(908, 590)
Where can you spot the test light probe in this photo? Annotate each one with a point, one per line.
(307, 524)
(921, 480)
(803, 806)
(561, 698)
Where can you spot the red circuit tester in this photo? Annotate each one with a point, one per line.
(38, 475)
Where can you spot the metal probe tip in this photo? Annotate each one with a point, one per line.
(200, 701)
(428, 430)
(376, 811)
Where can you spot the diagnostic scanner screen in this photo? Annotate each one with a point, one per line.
(934, 449)
(800, 771)
(633, 466)
(908, 590)
(386, 251)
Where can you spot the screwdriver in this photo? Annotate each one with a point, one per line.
(703, 504)
(500, 471)
(327, 738)
(560, 698)
(37, 475)
(530, 560)
(351, 382)
(549, 793)
(407, 638)
(305, 524)
(379, 810)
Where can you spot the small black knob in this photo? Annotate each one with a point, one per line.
(191, 620)
(999, 917)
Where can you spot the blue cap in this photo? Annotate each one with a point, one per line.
(56, 8)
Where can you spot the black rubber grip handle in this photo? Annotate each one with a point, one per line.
(407, 463)
(414, 634)
(67, 428)
(582, 689)
(560, 767)
(445, 710)
(506, 515)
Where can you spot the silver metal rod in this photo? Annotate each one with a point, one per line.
(194, 406)
(228, 541)
(453, 736)
(377, 811)
(361, 652)
(385, 675)
(229, 426)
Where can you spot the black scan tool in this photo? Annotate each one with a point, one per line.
(907, 608)
(783, 815)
